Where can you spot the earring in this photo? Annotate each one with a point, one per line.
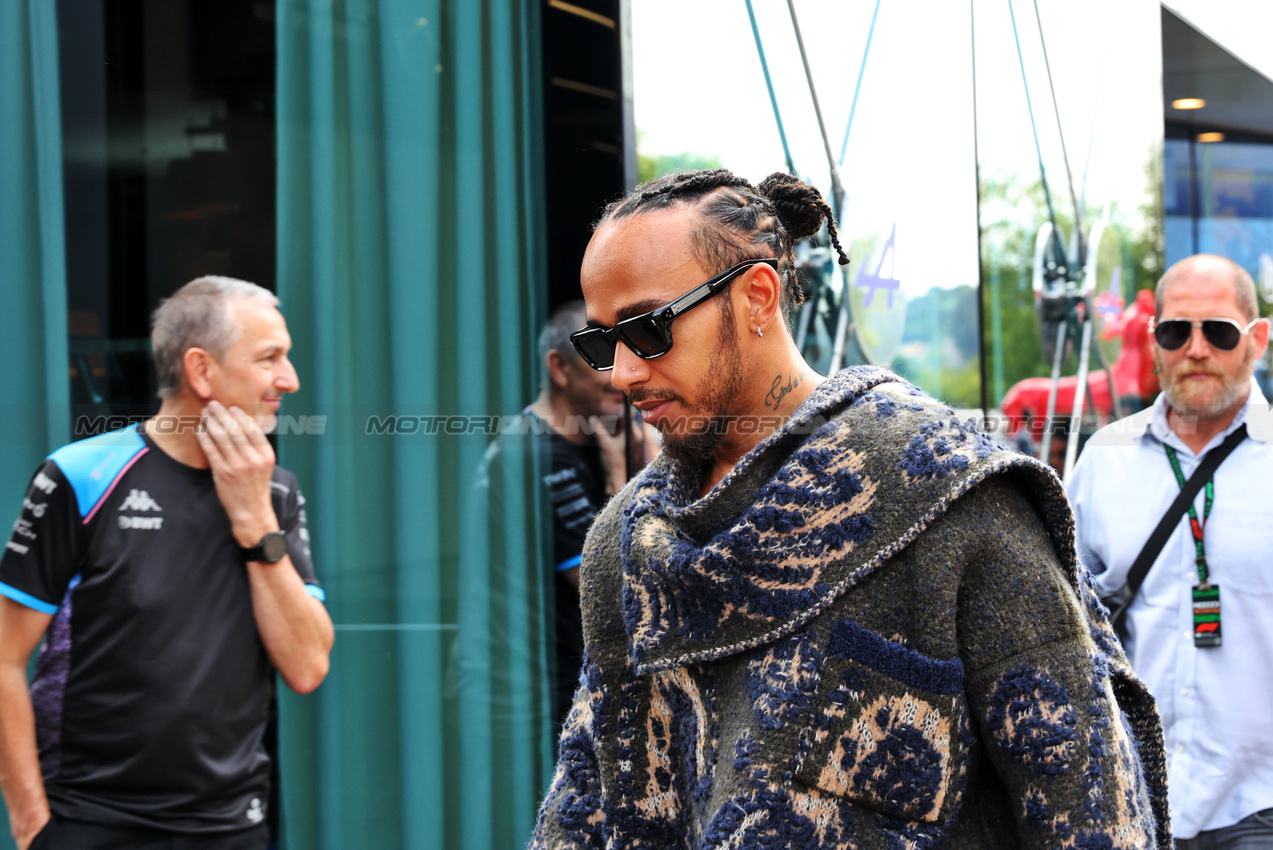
(759, 332)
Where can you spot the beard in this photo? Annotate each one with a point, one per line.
(708, 420)
(1191, 397)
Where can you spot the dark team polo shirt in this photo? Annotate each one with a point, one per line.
(576, 487)
(152, 687)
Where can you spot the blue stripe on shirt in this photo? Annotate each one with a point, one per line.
(91, 465)
(316, 592)
(27, 599)
(570, 564)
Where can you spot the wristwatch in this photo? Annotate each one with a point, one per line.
(271, 549)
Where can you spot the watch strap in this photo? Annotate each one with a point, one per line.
(268, 551)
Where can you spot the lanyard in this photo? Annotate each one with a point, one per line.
(1196, 527)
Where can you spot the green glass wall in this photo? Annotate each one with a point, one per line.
(35, 411)
(410, 270)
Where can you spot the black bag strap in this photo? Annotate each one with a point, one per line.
(1157, 540)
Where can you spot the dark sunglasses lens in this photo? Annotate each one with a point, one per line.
(645, 337)
(1221, 335)
(594, 347)
(1173, 333)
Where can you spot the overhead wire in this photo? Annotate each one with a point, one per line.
(1060, 132)
(837, 188)
(846, 325)
(769, 83)
(1038, 149)
(976, 166)
(857, 88)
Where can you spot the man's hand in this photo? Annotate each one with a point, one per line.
(294, 627)
(242, 462)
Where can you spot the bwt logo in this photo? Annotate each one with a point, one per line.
(146, 523)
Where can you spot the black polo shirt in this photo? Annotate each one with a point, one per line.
(152, 687)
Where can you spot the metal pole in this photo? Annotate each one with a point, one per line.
(1080, 394)
(982, 242)
(1045, 450)
(841, 332)
(1065, 157)
(837, 190)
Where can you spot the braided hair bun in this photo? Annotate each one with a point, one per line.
(737, 221)
(800, 207)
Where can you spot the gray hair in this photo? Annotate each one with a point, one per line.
(198, 316)
(1207, 265)
(555, 335)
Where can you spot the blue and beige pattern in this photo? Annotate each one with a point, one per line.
(873, 633)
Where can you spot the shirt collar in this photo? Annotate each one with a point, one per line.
(1255, 413)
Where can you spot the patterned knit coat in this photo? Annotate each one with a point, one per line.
(871, 634)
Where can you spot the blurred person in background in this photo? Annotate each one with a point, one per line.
(1200, 626)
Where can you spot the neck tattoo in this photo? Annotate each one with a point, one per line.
(778, 389)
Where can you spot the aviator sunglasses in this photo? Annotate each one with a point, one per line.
(1222, 334)
(649, 335)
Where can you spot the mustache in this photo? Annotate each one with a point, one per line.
(640, 394)
(1196, 367)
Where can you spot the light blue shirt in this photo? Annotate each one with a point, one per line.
(1216, 704)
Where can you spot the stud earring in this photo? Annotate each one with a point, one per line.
(759, 332)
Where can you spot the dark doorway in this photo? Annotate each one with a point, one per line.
(584, 136)
(169, 173)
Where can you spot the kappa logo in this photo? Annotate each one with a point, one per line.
(139, 500)
(145, 523)
(255, 813)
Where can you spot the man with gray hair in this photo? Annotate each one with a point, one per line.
(1205, 655)
(167, 568)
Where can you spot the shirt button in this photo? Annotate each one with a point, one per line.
(1180, 748)
(1184, 692)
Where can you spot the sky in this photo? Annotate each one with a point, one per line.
(910, 163)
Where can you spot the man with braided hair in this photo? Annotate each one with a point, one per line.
(828, 615)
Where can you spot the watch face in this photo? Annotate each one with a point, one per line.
(274, 546)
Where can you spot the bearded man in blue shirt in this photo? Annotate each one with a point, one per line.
(1203, 653)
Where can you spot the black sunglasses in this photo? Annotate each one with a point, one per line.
(1222, 334)
(649, 335)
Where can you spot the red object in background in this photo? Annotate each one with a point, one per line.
(1026, 403)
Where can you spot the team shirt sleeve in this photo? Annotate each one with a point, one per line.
(295, 524)
(46, 545)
